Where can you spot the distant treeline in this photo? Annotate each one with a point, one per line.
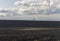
(28, 23)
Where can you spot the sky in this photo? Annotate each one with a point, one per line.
(29, 9)
(7, 3)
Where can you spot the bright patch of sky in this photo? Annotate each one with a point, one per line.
(7, 3)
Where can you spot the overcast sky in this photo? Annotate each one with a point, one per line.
(28, 9)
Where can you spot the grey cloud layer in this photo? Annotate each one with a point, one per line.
(32, 7)
(8, 12)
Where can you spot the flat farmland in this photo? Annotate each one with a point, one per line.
(30, 34)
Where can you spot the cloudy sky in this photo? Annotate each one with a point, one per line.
(29, 9)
